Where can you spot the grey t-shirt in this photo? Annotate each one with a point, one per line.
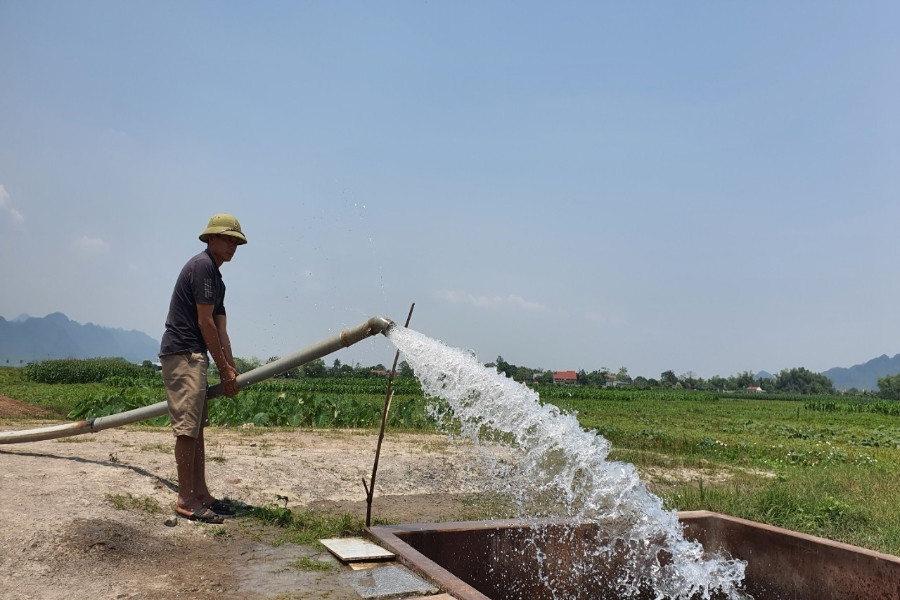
(200, 282)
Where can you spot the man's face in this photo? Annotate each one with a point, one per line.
(223, 247)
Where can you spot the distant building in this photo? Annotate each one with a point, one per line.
(755, 388)
(565, 377)
(613, 382)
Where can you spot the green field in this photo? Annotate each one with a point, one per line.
(821, 465)
(824, 466)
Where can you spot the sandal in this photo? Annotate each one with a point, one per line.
(204, 515)
(223, 507)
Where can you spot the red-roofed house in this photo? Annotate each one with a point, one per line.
(565, 377)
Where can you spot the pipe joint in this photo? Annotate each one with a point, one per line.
(371, 327)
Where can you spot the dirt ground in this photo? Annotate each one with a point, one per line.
(91, 516)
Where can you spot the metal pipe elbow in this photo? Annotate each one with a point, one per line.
(380, 325)
(367, 329)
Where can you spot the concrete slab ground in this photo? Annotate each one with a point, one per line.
(388, 582)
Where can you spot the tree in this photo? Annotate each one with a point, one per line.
(347, 371)
(689, 381)
(404, 370)
(718, 383)
(504, 367)
(743, 380)
(803, 381)
(603, 376)
(889, 387)
(244, 365)
(315, 368)
(523, 374)
(668, 379)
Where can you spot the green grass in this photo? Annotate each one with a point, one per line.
(307, 527)
(136, 503)
(759, 433)
(821, 465)
(310, 564)
(831, 474)
(840, 503)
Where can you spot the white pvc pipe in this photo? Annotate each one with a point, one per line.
(345, 338)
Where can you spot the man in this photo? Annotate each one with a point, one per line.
(196, 325)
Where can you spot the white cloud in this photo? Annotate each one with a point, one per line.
(16, 216)
(6, 207)
(86, 246)
(489, 302)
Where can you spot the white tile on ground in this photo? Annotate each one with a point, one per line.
(356, 549)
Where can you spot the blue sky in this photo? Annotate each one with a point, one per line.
(705, 187)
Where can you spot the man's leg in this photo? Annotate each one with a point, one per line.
(193, 497)
(190, 458)
(185, 379)
(185, 453)
(202, 491)
(221, 507)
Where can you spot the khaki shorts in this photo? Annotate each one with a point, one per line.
(185, 379)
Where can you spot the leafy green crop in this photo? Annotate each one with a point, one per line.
(103, 404)
(303, 409)
(89, 371)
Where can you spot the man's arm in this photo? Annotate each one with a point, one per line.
(224, 340)
(214, 338)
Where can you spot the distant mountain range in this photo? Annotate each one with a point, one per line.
(26, 339)
(864, 376)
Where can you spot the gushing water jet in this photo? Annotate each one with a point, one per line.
(613, 539)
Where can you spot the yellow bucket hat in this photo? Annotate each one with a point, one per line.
(223, 224)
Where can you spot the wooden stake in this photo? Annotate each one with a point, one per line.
(388, 396)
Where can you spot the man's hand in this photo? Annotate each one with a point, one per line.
(228, 376)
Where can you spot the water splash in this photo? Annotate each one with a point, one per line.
(557, 455)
